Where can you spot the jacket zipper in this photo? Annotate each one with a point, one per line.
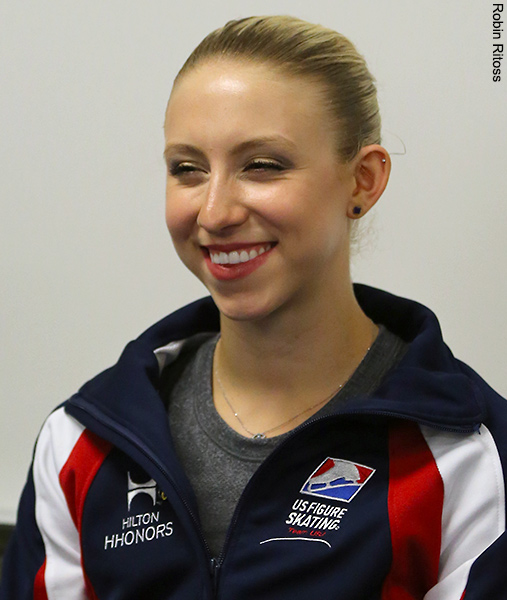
(215, 572)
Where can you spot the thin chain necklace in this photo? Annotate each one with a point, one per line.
(263, 435)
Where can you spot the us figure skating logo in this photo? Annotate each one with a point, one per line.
(337, 479)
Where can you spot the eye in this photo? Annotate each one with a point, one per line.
(262, 165)
(177, 168)
(186, 172)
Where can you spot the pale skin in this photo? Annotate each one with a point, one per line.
(252, 161)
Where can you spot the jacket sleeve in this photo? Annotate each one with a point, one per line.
(43, 560)
(25, 555)
(488, 575)
(473, 559)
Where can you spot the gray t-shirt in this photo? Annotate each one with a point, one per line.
(219, 461)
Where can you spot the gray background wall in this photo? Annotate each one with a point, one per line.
(86, 263)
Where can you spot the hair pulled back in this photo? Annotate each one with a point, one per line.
(299, 48)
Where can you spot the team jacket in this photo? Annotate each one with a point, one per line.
(399, 496)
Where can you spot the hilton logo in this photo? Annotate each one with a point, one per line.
(147, 487)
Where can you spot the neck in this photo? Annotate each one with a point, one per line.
(274, 368)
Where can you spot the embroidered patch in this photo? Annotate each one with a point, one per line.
(141, 527)
(337, 479)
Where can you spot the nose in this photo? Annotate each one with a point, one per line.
(222, 207)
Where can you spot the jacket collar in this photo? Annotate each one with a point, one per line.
(429, 385)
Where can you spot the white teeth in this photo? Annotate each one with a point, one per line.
(235, 257)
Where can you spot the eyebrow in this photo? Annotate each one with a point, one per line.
(181, 149)
(251, 144)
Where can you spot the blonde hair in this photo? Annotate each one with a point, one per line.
(299, 48)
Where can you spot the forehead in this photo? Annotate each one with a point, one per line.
(233, 74)
(224, 96)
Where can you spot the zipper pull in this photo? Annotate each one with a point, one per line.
(215, 570)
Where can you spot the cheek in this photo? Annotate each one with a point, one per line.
(180, 222)
(180, 218)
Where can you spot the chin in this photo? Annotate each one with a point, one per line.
(243, 307)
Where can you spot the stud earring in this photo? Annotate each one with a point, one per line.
(356, 210)
(383, 160)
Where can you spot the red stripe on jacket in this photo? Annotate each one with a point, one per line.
(76, 477)
(39, 586)
(415, 502)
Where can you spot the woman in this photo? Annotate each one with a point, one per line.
(292, 435)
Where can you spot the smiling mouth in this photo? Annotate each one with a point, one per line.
(239, 255)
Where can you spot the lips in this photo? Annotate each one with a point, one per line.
(233, 261)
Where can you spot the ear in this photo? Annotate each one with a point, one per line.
(371, 168)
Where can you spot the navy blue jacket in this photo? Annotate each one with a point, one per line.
(397, 496)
